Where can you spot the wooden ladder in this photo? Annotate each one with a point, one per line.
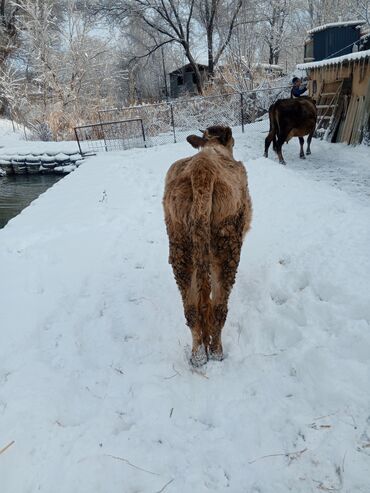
(327, 104)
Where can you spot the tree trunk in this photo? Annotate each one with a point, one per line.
(271, 55)
(198, 77)
(211, 64)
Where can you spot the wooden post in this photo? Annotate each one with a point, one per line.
(242, 110)
(173, 123)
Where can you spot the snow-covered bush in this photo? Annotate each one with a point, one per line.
(41, 131)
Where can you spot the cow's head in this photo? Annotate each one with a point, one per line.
(216, 135)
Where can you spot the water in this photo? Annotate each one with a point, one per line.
(18, 191)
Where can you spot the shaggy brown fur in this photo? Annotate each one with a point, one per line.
(291, 118)
(208, 211)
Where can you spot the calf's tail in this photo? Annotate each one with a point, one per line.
(274, 127)
(200, 225)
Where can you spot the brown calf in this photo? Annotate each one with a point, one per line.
(289, 118)
(208, 211)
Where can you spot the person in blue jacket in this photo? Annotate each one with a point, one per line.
(296, 89)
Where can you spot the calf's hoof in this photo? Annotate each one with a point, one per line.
(265, 154)
(308, 152)
(282, 162)
(199, 357)
(216, 355)
(302, 156)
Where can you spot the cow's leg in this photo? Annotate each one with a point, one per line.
(197, 316)
(279, 145)
(182, 265)
(268, 141)
(301, 143)
(227, 243)
(221, 288)
(308, 151)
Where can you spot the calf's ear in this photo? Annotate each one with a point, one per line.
(227, 135)
(195, 141)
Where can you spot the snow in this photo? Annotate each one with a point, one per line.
(95, 386)
(364, 36)
(351, 57)
(268, 66)
(9, 135)
(336, 24)
(49, 154)
(12, 142)
(37, 147)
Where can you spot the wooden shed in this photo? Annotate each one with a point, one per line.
(182, 80)
(341, 89)
(330, 40)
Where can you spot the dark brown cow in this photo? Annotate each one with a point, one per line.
(208, 211)
(291, 118)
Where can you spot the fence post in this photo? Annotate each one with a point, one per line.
(173, 123)
(143, 131)
(242, 110)
(105, 142)
(78, 141)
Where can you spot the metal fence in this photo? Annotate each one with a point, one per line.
(167, 122)
(110, 136)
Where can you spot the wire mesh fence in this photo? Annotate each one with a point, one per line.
(200, 113)
(110, 136)
(157, 120)
(163, 123)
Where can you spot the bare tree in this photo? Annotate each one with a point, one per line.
(361, 10)
(68, 71)
(219, 19)
(163, 21)
(8, 28)
(276, 15)
(326, 11)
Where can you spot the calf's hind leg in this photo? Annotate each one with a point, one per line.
(182, 266)
(220, 294)
(226, 243)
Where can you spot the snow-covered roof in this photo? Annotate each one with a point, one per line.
(187, 67)
(268, 66)
(337, 60)
(336, 24)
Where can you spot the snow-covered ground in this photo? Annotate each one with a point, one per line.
(10, 134)
(342, 166)
(21, 156)
(96, 391)
(13, 142)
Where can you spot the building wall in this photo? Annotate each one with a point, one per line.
(354, 102)
(327, 43)
(358, 72)
(188, 87)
